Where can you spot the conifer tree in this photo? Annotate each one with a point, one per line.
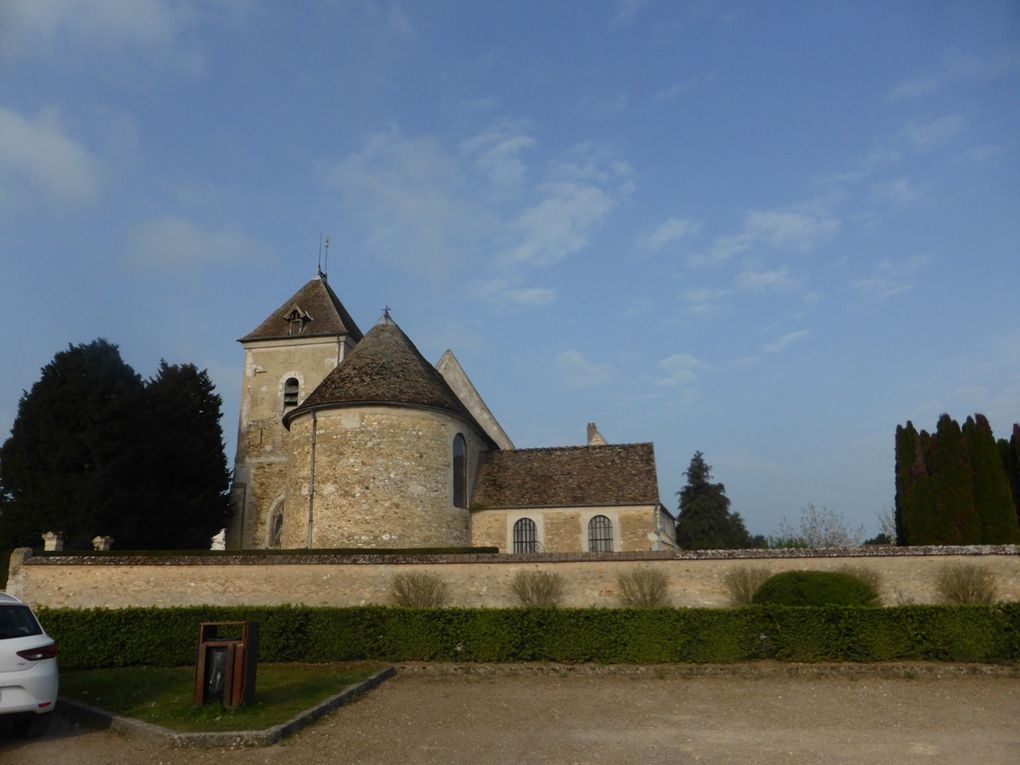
(1009, 453)
(705, 521)
(956, 520)
(992, 496)
(922, 519)
(906, 453)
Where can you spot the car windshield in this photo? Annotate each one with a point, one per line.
(17, 621)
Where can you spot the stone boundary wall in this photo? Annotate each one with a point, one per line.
(696, 578)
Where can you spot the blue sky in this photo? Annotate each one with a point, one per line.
(767, 231)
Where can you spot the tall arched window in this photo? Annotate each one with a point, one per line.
(276, 527)
(290, 392)
(525, 536)
(600, 534)
(459, 471)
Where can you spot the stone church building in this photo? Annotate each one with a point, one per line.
(351, 440)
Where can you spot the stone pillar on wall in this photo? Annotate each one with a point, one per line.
(53, 541)
(102, 544)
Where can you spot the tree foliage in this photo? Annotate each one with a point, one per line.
(705, 521)
(820, 527)
(958, 488)
(94, 450)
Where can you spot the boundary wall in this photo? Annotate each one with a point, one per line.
(696, 578)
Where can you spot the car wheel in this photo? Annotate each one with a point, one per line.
(32, 727)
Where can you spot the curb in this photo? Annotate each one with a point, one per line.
(222, 739)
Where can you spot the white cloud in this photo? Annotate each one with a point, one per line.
(680, 369)
(669, 231)
(890, 278)
(39, 154)
(578, 372)
(925, 136)
(506, 296)
(496, 155)
(899, 191)
(625, 11)
(684, 85)
(783, 342)
(703, 302)
(983, 152)
(958, 69)
(752, 279)
(789, 229)
(173, 243)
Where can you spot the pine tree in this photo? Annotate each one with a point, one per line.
(1009, 454)
(705, 521)
(906, 452)
(956, 518)
(71, 462)
(922, 528)
(992, 496)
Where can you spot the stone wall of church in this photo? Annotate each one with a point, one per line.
(696, 579)
(565, 529)
(383, 477)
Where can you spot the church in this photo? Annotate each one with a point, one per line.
(354, 440)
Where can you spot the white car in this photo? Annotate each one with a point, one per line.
(28, 669)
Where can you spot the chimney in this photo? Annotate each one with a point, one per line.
(594, 437)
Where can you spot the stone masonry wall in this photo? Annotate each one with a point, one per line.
(383, 478)
(565, 529)
(696, 579)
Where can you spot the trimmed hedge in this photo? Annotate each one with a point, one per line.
(168, 636)
(815, 588)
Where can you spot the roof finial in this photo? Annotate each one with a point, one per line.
(387, 319)
(323, 256)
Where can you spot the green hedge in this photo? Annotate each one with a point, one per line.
(168, 636)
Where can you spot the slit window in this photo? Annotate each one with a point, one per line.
(290, 392)
(459, 471)
(276, 528)
(600, 534)
(525, 536)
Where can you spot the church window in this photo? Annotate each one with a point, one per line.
(276, 527)
(290, 392)
(459, 471)
(600, 534)
(525, 536)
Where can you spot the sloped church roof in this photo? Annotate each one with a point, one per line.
(384, 368)
(321, 312)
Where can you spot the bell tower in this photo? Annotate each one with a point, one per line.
(285, 358)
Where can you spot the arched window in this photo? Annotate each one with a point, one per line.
(459, 471)
(290, 392)
(276, 527)
(525, 536)
(600, 534)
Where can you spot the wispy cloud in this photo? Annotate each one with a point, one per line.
(754, 279)
(890, 278)
(173, 242)
(680, 369)
(37, 153)
(925, 136)
(681, 86)
(797, 230)
(783, 342)
(496, 154)
(579, 372)
(668, 232)
(625, 11)
(898, 191)
(704, 302)
(505, 295)
(958, 69)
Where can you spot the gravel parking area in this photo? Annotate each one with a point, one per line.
(485, 714)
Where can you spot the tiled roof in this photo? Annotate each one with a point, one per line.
(616, 474)
(384, 368)
(326, 314)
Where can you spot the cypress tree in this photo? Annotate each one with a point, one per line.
(906, 451)
(920, 528)
(990, 485)
(956, 520)
(1009, 453)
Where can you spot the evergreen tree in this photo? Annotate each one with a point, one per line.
(992, 496)
(1009, 454)
(705, 521)
(921, 527)
(906, 453)
(71, 462)
(956, 520)
(186, 469)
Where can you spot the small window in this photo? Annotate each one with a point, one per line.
(290, 392)
(17, 622)
(276, 528)
(600, 534)
(296, 320)
(525, 536)
(459, 471)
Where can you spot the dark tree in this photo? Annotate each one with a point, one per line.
(992, 495)
(705, 521)
(72, 460)
(922, 524)
(906, 489)
(956, 517)
(186, 470)
(1009, 453)
(95, 451)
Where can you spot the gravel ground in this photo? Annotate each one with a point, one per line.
(485, 714)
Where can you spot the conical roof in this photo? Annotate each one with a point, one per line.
(384, 368)
(321, 312)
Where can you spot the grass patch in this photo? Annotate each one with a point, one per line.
(163, 695)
